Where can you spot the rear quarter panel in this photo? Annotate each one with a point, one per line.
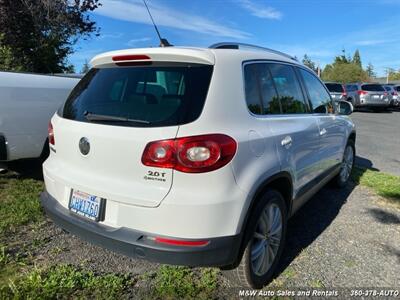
(27, 102)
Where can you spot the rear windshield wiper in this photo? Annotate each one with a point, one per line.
(95, 117)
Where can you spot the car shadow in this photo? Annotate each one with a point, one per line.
(366, 110)
(313, 218)
(365, 163)
(25, 169)
(385, 217)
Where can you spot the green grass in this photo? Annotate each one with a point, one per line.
(65, 282)
(383, 184)
(182, 282)
(19, 202)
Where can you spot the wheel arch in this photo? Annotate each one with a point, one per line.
(353, 136)
(281, 182)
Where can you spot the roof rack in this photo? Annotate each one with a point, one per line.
(234, 45)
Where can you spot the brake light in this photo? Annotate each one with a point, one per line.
(344, 94)
(52, 140)
(362, 92)
(385, 93)
(194, 154)
(394, 94)
(186, 243)
(130, 57)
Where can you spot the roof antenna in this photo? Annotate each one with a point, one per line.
(163, 42)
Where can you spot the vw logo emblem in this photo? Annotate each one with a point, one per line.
(84, 146)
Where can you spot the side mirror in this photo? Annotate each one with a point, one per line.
(344, 108)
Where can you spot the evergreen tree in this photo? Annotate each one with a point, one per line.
(357, 59)
(370, 71)
(309, 63)
(39, 35)
(85, 67)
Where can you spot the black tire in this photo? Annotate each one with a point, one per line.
(244, 275)
(339, 181)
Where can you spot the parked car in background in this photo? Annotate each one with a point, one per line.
(368, 95)
(27, 102)
(337, 91)
(393, 94)
(145, 160)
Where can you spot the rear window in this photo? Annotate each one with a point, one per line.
(334, 87)
(372, 88)
(351, 88)
(388, 88)
(145, 96)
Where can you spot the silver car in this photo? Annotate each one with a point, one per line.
(393, 95)
(368, 95)
(337, 91)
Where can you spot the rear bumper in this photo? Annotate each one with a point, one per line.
(219, 251)
(374, 104)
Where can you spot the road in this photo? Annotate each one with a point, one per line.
(378, 140)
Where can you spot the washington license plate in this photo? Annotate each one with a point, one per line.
(86, 205)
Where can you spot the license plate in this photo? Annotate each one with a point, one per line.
(376, 96)
(89, 206)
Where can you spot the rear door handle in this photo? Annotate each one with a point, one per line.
(322, 132)
(286, 142)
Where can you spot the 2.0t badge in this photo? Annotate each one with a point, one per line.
(84, 146)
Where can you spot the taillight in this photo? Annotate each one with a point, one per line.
(194, 154)
(362, 92)
(344, 94)
(385, 93)
(52, 140)
(394, 94)
(130, 57)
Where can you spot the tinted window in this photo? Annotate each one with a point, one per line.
(372, 88)
(159, 96)
(252, 88)
(261, 95)
(288, 89)
(351, 88)
(334, 87)
(319, 97)
(269, 97)
(388, 88)
(397, 88)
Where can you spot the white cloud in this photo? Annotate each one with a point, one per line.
(134, 11)
(261, 11)
(134, 42)
(116, 35)
(373, 42)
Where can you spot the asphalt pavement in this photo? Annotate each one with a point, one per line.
(378, 140)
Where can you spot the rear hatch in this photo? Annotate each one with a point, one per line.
(118, 110)
(374, 93)
(336, 90)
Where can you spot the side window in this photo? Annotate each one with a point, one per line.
(252, 88)
(288, 89)
(320, 99)
(269, 98)
(261, 95)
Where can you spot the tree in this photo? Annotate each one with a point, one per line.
(40, 34)
(357, 59)
(393, 75)
(85, 67)
(370, 71)
(345, 70)
(309, 63)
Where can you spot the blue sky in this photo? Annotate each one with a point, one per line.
(320, 28)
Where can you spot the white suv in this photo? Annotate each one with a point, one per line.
(195, 156)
